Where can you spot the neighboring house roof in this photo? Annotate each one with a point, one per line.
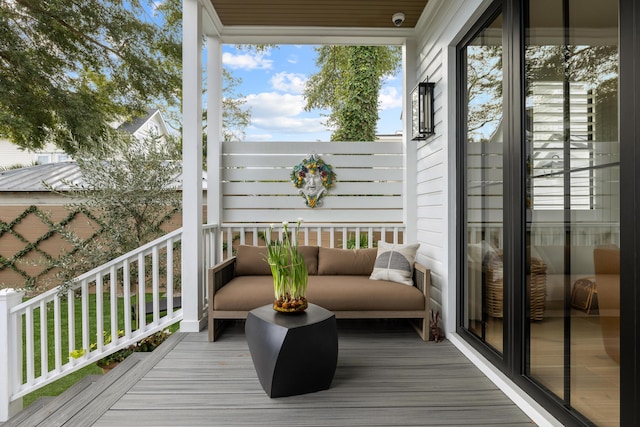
(31, 179)
(140, 124)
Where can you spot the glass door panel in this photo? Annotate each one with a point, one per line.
(483, 287)
(573, 203)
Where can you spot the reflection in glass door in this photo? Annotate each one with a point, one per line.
(483, 287)
(573, 204)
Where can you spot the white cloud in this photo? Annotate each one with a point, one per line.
(390, 97)
(247, 61)
(273, 104)
(287, 125)
(289, 82)
(279, 116)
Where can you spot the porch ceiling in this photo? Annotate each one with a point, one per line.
(326, 13)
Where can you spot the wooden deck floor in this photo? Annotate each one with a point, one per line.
(386, 376)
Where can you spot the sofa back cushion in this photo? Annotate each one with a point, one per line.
(354, 262)
(252, 260)
(310, 254)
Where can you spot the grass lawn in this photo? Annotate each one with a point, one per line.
(64, 383)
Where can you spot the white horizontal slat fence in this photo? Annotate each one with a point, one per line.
(256, 185)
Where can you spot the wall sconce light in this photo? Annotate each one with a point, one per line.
(422, 115)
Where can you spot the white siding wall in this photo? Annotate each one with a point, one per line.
(437, 37)
(11, 154)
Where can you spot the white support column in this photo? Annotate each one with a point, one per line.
(10, 350)
(409, 182)
(214, 129)
(192, 253)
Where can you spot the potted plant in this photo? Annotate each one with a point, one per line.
(289, 271)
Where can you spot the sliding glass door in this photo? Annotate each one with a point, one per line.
(540, 200)
(573, 210)
(483, 288)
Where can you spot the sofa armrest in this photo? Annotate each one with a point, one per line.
(422, 278)
(221, 274)
(218, 275)
(422, 281)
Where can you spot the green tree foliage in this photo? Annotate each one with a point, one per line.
(133, 192)
(348, 84)
(69, 69)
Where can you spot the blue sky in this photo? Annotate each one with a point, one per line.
(272, 85)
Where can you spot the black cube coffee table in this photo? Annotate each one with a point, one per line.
(293, 353)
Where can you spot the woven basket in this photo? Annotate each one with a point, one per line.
(537, 287)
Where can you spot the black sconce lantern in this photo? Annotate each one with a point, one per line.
(422, 115)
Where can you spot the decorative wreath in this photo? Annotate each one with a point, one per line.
(309, 167)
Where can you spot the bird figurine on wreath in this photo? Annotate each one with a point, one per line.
(313, 178)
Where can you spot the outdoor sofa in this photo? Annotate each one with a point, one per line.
(340, 280)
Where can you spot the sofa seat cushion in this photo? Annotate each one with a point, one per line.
(335, 293)
(359, 293)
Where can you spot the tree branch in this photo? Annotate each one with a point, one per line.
(29, 5)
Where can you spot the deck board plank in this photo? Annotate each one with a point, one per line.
(386, 376)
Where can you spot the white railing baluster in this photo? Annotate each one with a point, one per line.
(155, 284)
(170, 278)
(126, 285)
(86, 339)
(57, 333)
(142, 296)
(100, 314)
(29, 345)
(44, 340)
(113, 300)
(71, 321)
(18, 352)
(255, 236)
(221, 249)
(241, 233)
(229, 241)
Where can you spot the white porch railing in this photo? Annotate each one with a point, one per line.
(107, 307)
(113, 317)
(332, 235)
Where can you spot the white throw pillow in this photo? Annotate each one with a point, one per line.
(395, 262)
